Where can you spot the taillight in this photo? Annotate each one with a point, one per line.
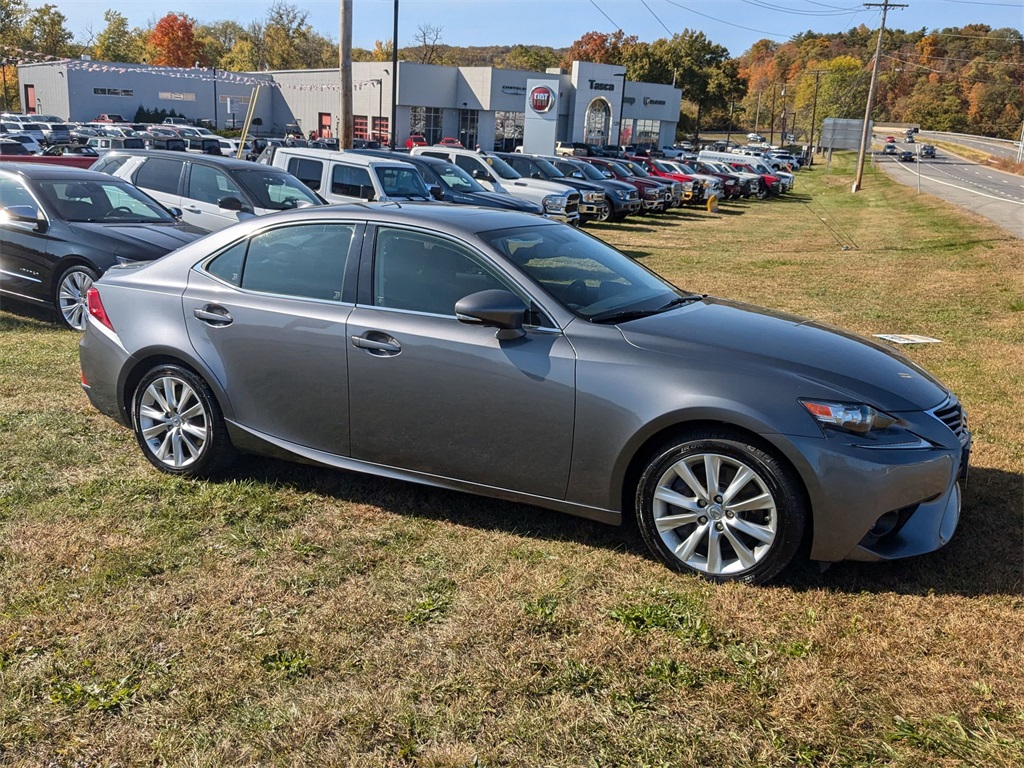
(96, 309)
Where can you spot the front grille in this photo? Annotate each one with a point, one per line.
(572, 203)
(953, 415)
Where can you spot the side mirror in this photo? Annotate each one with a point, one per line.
(176, 212)
(480, 173)
(230, 204)
(494, 308)
(22, 213)
(367, 193)
(435, 191)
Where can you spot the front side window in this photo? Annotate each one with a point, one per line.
(102, 201)
(158, 174)
(276, 191)
(423, 273)
(351, 181)
(302, 260)
(209, 185)
(401, 182)
(13, 192)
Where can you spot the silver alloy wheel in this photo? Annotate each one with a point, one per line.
(173, 422)
(71, 297)
(715, 514)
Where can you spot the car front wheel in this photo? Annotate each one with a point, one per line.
(69, 296)
(713, 504)
(604, 213)
(178, 423)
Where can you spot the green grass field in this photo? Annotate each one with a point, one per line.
(293, 615)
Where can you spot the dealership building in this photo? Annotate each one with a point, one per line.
(485, 106)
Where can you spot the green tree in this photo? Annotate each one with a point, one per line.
(119, 42)
(46, 32)
(529, 57)
(703, 72)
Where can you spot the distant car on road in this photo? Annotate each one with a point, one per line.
(889, 149)
(927, 150)
(906, 156)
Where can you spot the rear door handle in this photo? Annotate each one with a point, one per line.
(377, 343)
(213, 315)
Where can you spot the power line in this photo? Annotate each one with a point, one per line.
(770, 7)
(729, 23)
(976, 2)
(656, 16)
(617, 27)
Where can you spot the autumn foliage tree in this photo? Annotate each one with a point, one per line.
(173, 42)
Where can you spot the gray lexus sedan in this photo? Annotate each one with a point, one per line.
(500, 354)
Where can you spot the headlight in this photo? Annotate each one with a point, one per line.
(653, 193)
(554, 204)
(618, 194)
(593, 197)
(687, 186)
(858, 418)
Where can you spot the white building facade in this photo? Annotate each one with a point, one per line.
(479, 106)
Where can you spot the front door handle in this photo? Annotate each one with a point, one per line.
(212, 314)
(377, 343)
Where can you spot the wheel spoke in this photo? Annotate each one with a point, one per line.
(714, 550)
(165, 447)
(179, 458)
(682, 469)
(761, 501)
(170, 397)
(743, 477)
(196, 431)
(193, 449)
(154, 392)
(745, 555)
(764, 534)
(193, 411)
(674, 499)
(151, 432)
(687, 547)
(671, 522)
(712, 464)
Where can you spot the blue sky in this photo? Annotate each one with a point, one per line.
(736, 24)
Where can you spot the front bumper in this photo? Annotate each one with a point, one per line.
(565, 218)
(881, 504)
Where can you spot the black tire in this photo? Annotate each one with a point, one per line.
(762, 193)
(746, 533)
(69, 295)
(178, 423)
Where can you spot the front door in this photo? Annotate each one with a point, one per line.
(435, 395)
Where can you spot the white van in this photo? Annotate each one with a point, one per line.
(346, 177)
(560, 201)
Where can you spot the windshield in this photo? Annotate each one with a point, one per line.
(636, 169)
(401, 182)
(583, 273)
(109, 201)
(664, 167)
(503, 169)
(276, 191)
(589, 171)
(457, 179)
(548, 167)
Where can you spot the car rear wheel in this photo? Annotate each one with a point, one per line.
(712, 503)
(69, 295)
(178, 423)
(604, 213)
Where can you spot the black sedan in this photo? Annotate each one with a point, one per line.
(61, 228)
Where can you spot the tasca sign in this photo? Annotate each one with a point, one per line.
(542, 99)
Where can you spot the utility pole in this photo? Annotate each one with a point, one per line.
(865, 131)
(814, 113)
(394, 80)
(345, 125)
(771, 119)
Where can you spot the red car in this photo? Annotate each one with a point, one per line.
(448, 141)
(415, 140)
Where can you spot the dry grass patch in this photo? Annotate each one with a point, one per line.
(290, 615)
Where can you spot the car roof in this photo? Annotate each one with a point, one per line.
(231, 163)
(41, 171)
(337, 154)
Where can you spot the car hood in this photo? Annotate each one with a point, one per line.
(140, 242)
(541, 185)
(758, 339)
(496, 200)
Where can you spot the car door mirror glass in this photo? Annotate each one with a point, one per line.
(21, 213)
(230, 203)
(435, 191)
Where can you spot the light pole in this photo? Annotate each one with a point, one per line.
(394, 77)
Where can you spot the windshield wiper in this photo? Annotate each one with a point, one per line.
(621, 316)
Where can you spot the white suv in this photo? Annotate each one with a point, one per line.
(560, 202)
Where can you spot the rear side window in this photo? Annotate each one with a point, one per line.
(351, 181)
(303, 260)
(159, 174)
(309, 172)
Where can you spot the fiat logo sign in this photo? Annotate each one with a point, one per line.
(542, 99)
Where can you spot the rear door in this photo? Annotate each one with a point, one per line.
(268, 316)
(160, 177)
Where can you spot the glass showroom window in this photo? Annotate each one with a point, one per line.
(508, 130)
(469, 122)
(426, 121)
(647, 132)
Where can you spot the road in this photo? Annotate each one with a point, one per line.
(993, 194)
(996, 147)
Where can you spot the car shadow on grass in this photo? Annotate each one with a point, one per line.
(20, 316)
(985, 556)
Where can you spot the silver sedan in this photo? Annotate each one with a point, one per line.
(500, 354)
